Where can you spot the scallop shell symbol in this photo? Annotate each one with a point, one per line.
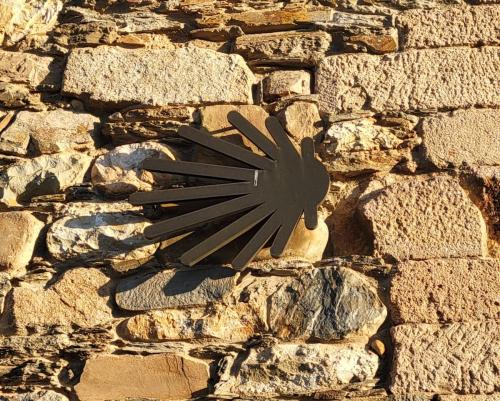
(273, 192)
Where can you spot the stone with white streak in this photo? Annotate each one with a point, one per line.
(43, 175)
(414, 80)
(296, 369)
(119, 172)
(112, 75)
(116, 238)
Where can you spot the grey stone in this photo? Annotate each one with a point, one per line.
(111, 75)
(326, 304)
(175, 288)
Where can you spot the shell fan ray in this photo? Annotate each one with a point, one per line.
(269, 195)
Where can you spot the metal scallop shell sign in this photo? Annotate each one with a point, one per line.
(268, 196)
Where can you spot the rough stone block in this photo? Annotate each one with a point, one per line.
(291, 48)
(284, 83)
(414, 80)
(78, 299)
(115, 238)
(458, 358)
(20, 231)
(43, 175)
(449, 26)
(423, 218)
(296, 369)
(463, 136)
(446, 290)
(119, 172)
(112, 75)
(160, 376)
(35, 72)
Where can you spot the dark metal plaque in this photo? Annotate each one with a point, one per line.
(273, 191)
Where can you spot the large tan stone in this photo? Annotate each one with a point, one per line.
(294, 47)
(414, 80)
(463, 136)
(112, 75)
(160, 377)
(425, 217)
(43, 175)
(119, 172)
(20, 18)
(458, 358)
(20, 231)
(449, 26)
(446, 290)
(295, 369)
(78, 299)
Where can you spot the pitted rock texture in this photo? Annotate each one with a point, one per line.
(54, 131)
(459, 358)
(284, 83)
(296, 369)
(432, 217)
(115, 237)
(446, 290)
(449, 26)
(301, 120)
(462, 137)
(175, 288)
(119, 172)
(79, 298)
(43, 175)
(111, 75)
(414, 80)
(21, 231)
(161, 376)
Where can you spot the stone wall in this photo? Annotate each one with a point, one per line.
(395, 296)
